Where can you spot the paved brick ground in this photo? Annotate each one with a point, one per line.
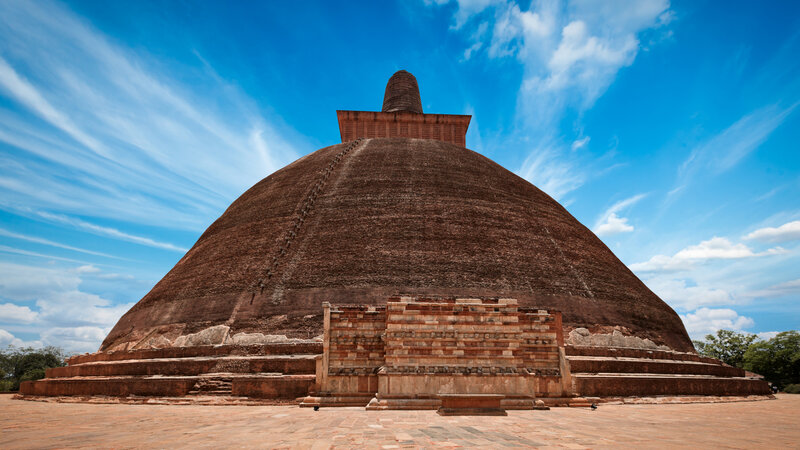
(25, 424)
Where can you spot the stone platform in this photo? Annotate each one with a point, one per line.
(608, 373)
(270, 371)
(404, 356)
(283, 372)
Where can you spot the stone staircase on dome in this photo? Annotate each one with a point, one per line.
(201, 374)
(610, 374)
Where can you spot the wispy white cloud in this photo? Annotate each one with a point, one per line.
(613, 224)
(787, 232)
(545, 168)
(771, 193)
(707, 321)
(726, 149)
(714, 248)
(25, 93)
(583, 61)
(580, 143)
(467, 9)
(719, 248)
(472, 49)
(610, 223)
(788, 288)
(38, 240)
(570, 53)
(19, 251)
(109, 232)
(115, 135)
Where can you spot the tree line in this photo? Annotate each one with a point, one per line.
(776, 359)
(27, 364)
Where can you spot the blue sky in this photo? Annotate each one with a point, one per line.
(126, 128)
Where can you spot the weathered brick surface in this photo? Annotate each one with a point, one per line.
(578, 365)
(402, 93)
(416, 348)
(448, 128)
(448, 335)
(119, 387)
(637, 353)
(283, 387)
(443, 335)
(410, 210)
(174, 372)
(642, 386)
(356, 345)
(302, 348)
(187, 366)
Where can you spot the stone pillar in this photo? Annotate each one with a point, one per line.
(566, 374)
(324, 362)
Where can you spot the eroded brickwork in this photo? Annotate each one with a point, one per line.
(424, 347)
(356, 339)
(469, 336)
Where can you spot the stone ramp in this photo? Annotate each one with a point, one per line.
(627, 372)
(282, 372)
(194, 374)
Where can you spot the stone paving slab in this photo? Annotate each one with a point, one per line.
(757, 424)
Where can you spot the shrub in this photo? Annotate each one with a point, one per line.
(792, 389)
(6, 385)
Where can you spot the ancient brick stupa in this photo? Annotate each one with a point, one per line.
(400, 207)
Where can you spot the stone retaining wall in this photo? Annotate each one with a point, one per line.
(311, 347)
(421, 347)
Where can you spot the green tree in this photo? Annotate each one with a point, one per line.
(777, 359)
(23, 364)
(727, 346)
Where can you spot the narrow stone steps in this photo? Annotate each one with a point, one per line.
(213, 386)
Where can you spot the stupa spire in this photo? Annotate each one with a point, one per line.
(402, 116)
(402, 93)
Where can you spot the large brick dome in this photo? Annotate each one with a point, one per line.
(363, 220)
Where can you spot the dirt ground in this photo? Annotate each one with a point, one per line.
(30, 424)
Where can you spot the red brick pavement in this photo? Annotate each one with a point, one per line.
(767, 424)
